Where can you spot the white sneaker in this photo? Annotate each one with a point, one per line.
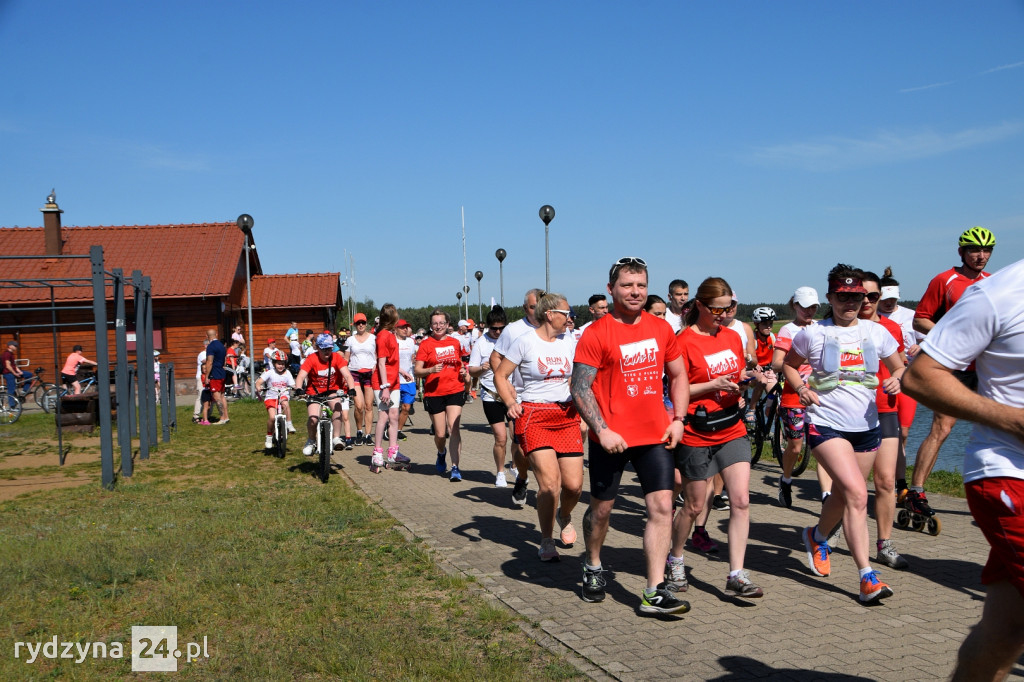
(339, 443)
(309, 447)
(268, 443)
(514, 472)
(291, 429)
(499, 480)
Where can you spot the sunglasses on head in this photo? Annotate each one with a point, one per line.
(718, 310)
(849, 296)
(631, 260)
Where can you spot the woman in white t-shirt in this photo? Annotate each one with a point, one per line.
(547, 425)
(844, 353)
(361, 355)
(494, 409)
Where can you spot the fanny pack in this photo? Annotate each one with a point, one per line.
(702, 420)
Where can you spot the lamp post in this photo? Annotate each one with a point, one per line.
(479, 306)
(500, 255)
(465, 288)
(547, 214)
(245, 223)
(458, 304)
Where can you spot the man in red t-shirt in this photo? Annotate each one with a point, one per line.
(975, 248)
(617, 389)
(327, 372)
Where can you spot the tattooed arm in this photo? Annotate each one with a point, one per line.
(586, 404)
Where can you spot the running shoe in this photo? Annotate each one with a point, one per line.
(440, 463)
(290, 427)
(901, 490)
(308, 448)
(702, 542)
(817, 553)
(519, 493)
(455, 475)
(349, 442)
(720, 503)
(662, 602)
(568, 533)
(512, 470)
(368, 440)
(268, 443)
(872, 589)
(593, 584)
(397, 458)
(402, 436)
(338, 443)
(786, 494)
(888, 555)
(547, 550)
(499, 480)
(359, 437)
(740, 586)
(675, 574)
(204, 422)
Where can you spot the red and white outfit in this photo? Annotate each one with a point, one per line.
(706, 358)
(387, 348)
(942, 293)
(549, 419)
(277, 386)
(324, 377)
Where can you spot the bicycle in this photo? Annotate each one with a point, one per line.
(324, 431)
(55, 393)
(10, 406)
(768, 427)
(36, 386)
(280, 436)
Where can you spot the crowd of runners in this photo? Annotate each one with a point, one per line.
(666, 386)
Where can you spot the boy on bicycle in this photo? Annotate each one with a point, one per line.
(326, 371)
(278, 382)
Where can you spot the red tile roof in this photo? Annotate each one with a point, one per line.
(315, 290)
(181, 260)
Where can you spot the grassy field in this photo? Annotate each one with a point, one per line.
(284, 577)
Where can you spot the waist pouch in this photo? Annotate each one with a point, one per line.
(702, 420)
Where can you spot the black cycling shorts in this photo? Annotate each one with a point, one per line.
(654, 464)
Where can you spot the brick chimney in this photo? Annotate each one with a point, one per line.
(51, 225)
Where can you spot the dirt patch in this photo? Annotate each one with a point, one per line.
(49, 458)
(21, 486)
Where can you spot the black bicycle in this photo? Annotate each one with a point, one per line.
(324, 432)
(768, 428)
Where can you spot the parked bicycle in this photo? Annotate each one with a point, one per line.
(10, 407)
(768, 428)
(36, 387)
(324, 431)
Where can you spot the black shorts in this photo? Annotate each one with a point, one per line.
(889, 422)
(436, 404)
(68, 379)
(495, 411)
(967, 377)
(363, 377)
(654, 464)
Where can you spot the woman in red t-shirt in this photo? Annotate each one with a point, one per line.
(387, 388)
(715, 438)
(889, 421)
(439, 364)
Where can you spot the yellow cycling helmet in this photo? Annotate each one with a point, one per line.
(977, 236)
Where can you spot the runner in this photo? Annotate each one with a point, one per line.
(975, 249)
(521, 467)
(326, 372)
(678, 295)
(804, 305)
(616, 386)
(494, 409)
(465, 338)
(986, 325)
(361, 356)
(439, 363)
(888, 421)
(278, 382)
(386, 385)
(406, 362)
(547, 424)
(844, 354)
(715, 439)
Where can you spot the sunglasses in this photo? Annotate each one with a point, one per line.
(873, 296)
(717, 310)
(361, 322)
(849, 296)
(497, 329)
(630, 260)
(564, 312)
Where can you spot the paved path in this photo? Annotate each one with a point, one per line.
(804, 628)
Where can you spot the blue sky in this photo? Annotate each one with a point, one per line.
(761, 142)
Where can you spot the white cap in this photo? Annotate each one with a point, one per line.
(155, 353)
(890, 292)
(463, 323)
(806, 297)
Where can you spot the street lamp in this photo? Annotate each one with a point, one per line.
(479, 307)
(465, 288)
(458, 304)
(547, 214)
(245, 223)
(500, 255)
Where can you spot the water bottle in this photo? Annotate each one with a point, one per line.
(870, 356)
(830, 355)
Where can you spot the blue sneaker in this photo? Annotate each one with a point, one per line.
(440, 464)
(456, 475)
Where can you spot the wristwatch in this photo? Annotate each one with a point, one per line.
(383, 386)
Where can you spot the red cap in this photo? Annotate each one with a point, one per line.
(403, 323)
(359, 317)
(270, 340)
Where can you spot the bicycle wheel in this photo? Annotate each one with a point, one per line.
(282, 438)
(10, 409)
(39, 392)
(324, 447)
(50, 398)
(765, 417)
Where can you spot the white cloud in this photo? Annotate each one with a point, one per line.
(927, 87)
(1015, 65)
(837, 153)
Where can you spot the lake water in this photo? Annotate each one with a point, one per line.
(951, 456)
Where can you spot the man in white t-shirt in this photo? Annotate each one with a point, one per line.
(465, 339)
(598, 308)
(678, 295)
(986, 326)
(501, 347)
(406, 362)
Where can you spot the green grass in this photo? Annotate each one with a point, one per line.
(286, 577)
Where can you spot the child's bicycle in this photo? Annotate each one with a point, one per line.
(324, 432)
(280, 435)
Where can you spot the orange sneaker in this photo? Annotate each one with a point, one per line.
(872, 589)
(817, 553)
